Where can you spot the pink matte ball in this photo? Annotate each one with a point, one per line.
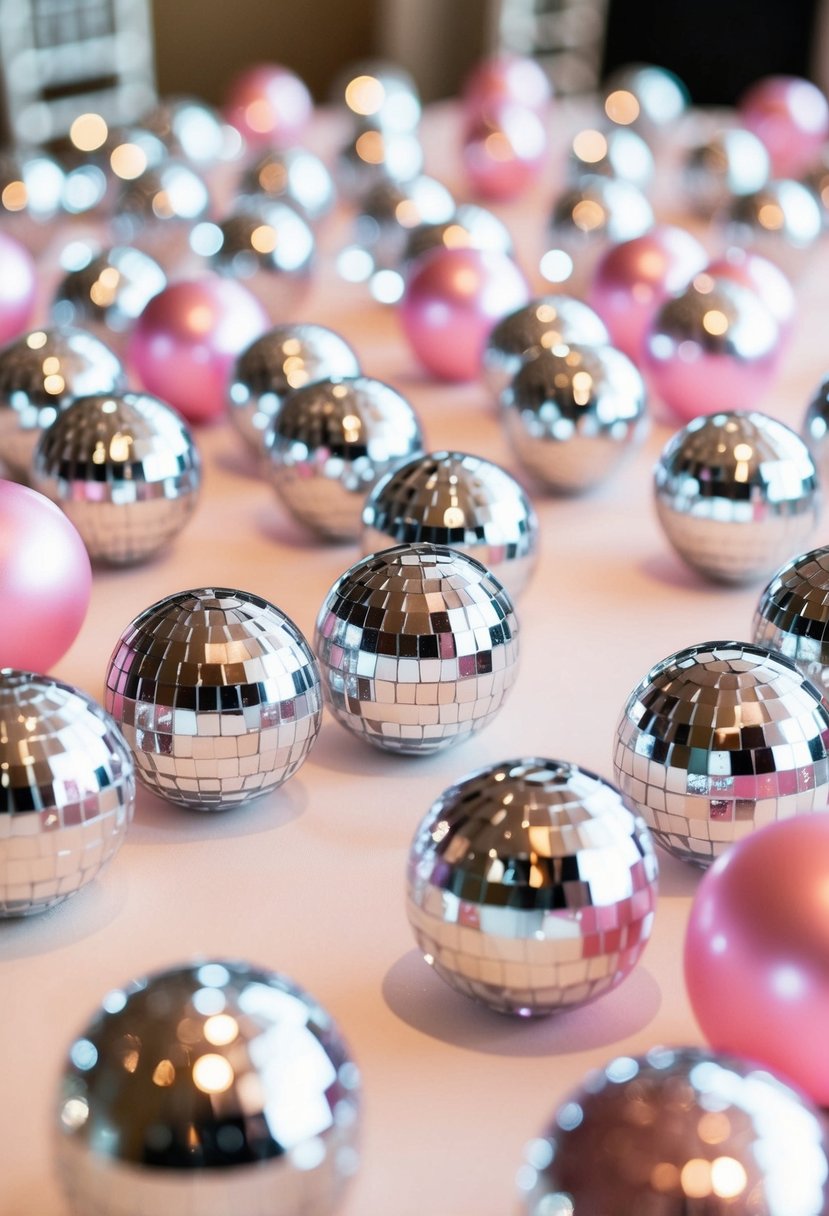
(757, 951)
(453, 298)
(504, 151)
(18, 286)
(45, 580)
(186, 341)
(269, 105)
(791, 117)
(764, 278)
(635, 277)
(506, 77)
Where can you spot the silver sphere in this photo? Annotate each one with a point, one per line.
(598, 212)
(67, 794)
(391, 211)
(471, 227)
(31, 196)
(211, 1087)
(730, 163)
(547, 321)
(192, 130)
(105, 290)
(124, 469)
(40, 374)
(329, 443)
(646, 97)
(792, 615)
(816, 429)
(572, 414)
(718, 740)
(782, 221)
(285, 358)
(371, 159)
(157, 210)
(268, 246)
(736, 494)
(292, 175)
(463, 502)
(418, 647)
(379, 94)
(218, 695)
(532, 886)
(617, 152)
(676, 1131)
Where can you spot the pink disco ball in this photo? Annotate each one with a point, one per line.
(269, 105)
(790, 116)
(18, 287)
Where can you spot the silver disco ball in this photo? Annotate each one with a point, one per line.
(737, 494)
(212, 1087)
(676, 1131)
(331, 442)
(267, 245)
(532, 886)
(729, 164)
(67, 793)
(106, 290)
(418, 647)
(792, 615)
(573, 414)
(40, 374)
(124, 469)
(718, 740)
(218, 695)
(292, 175)
(585, 220)
(546, 322)
(463, 502)
(284, 358)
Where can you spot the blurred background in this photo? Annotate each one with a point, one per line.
(196, 47)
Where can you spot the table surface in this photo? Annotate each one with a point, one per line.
(309, 880)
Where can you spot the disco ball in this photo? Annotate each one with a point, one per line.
(792, 615)
(547, 321)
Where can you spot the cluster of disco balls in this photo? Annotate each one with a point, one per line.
(531, 884)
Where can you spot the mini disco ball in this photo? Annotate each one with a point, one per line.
(418, 647)
(213, 1087)
(218, 695)
(532, 886)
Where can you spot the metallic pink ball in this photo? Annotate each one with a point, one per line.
(756, 951)
(713, 347)
(764, 278)
(18, 287)
(507, 77)
(269, 105)
(504, 151)
(185, 343)
(452, 300)
(633, 278)
(791, 117)
(45, 580)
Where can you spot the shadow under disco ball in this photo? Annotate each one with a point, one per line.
(212, 1088)
(218, 695)
(67, 791)
(418, 647)
(718, 740)
(532, 886)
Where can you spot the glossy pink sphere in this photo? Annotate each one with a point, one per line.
(764, 278)
(18, 286)
(791, 117)
(269, 105)
(757, 951)
(714, 346)
(633, 278)
(504, 151)
(186, 341)
(507, 77)
(45, 580)
(452, 300)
